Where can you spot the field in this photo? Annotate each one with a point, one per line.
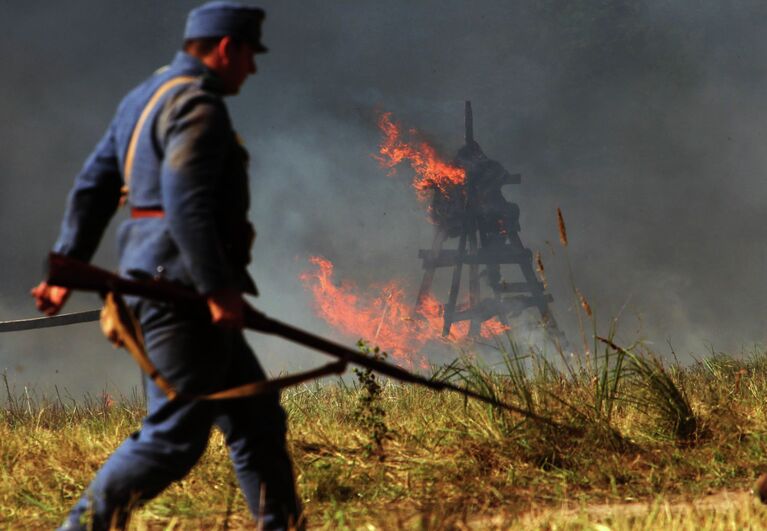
(630, 443)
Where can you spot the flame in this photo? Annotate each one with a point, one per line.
(432, 173)
(492, 328)
(384, 316)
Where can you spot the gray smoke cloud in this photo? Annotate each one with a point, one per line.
(643, 121)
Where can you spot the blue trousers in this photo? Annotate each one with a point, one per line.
(197, 358)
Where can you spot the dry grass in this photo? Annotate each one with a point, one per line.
(561, 227)
(446, 463)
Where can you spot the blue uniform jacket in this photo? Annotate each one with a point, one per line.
(189, 164)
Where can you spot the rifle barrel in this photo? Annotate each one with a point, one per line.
(256, 320)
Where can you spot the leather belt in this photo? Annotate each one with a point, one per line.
(137, 213)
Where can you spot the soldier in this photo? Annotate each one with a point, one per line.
(170, 152)
(497, 219)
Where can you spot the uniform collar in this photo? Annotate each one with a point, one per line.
(185, 64)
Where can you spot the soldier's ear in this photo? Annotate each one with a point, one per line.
(226, 50)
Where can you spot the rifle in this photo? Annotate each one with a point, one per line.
(75, 274)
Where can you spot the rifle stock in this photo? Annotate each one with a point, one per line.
(75, 274)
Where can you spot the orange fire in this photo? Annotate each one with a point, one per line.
(382, 316)
(431, 172)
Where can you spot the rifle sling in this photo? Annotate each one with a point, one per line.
(125, 331)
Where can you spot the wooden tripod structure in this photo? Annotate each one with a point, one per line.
(487, 228)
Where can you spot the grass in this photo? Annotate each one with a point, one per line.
(657, 438)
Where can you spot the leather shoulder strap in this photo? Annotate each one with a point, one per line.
(131, 153)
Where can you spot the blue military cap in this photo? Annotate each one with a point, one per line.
(217, 19)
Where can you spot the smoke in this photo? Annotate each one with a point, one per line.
(643, 121)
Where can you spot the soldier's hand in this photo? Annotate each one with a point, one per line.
(227, 308)
(49, 299)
